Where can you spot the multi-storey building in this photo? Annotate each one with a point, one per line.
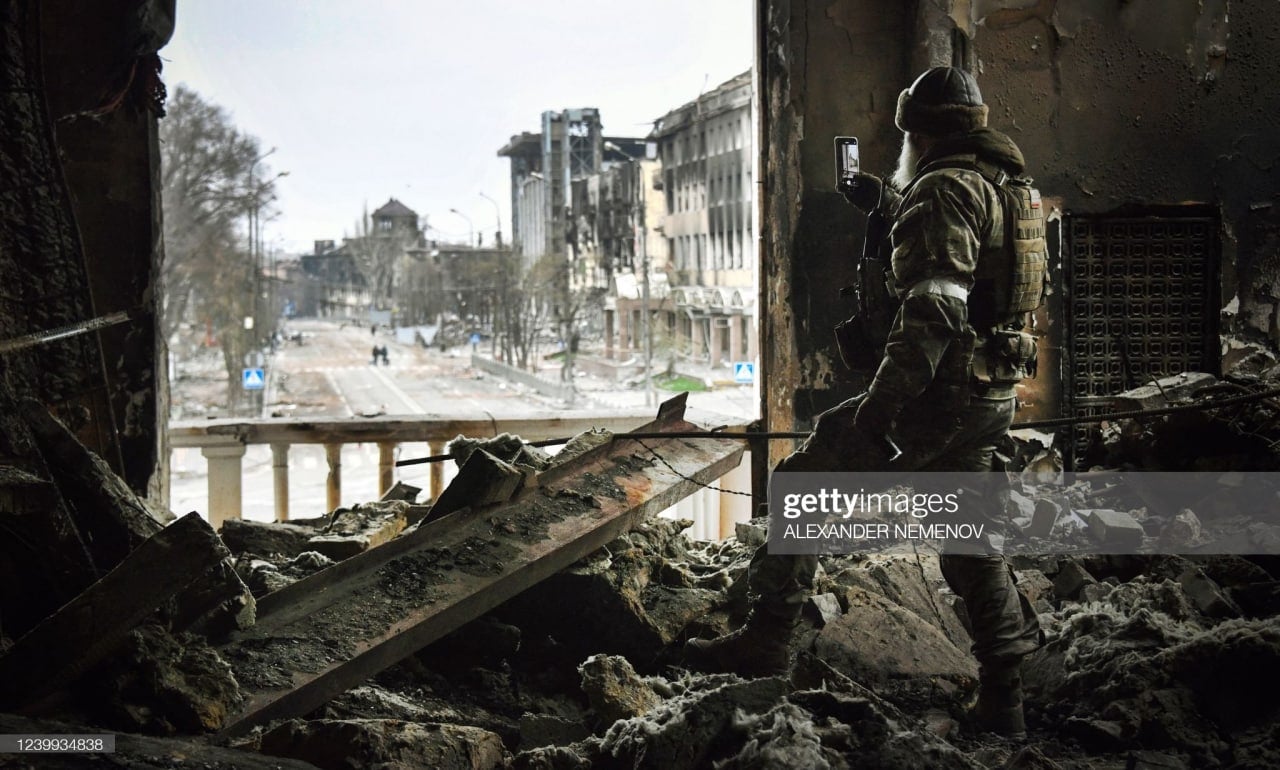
(562, 181)
(678, 205)
(705, 148)
(371, 270)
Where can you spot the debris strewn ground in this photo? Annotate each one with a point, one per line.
(1149, 662)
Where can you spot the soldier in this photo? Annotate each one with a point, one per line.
(967, 278)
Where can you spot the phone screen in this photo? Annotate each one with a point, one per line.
(847, 164)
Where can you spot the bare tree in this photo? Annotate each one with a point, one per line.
(208, 191)
(521, 314)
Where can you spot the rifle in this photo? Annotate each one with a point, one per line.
(861, 338)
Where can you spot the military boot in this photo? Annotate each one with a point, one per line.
(761, 647)
(999, 706)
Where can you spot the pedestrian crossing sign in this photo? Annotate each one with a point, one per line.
(744, 372)
(254, 379)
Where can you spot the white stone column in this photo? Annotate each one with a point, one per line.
(224, 482)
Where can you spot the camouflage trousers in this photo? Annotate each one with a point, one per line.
(932, 439)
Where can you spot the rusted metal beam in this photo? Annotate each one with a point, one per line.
(323, 635)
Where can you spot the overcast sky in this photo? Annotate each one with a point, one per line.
(412, 99)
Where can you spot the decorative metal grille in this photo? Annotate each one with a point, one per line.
(1140, 302)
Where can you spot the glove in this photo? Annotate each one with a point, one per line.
(862, 190)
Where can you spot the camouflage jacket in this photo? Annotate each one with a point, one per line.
(945, 219)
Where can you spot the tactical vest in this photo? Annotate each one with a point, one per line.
(1011, 278)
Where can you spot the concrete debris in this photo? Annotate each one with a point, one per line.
(1070, 579)
(1043, 518)
(1206, 596)
(825, 608)
(164, 684)
(913, 584)
(614, 689)
(341, 534)
(633, 594)
(287, 539)
(1183, 532)
(505, 447)
(581, 444)
(356, 530)
(1038, 589)
(389, 743)
(751, 533)
(265, 576)
(1114, 529)
(668, 737)
(1145, 668)
(879, 642)
(1166, 391)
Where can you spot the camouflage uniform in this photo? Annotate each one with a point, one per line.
(943, 421)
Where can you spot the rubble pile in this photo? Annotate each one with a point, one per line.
(1165, 661)
(1239, 437)
(1149, 661)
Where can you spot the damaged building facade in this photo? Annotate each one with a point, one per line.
(533, 617)
(667, 231)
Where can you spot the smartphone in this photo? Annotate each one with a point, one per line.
(847, 165)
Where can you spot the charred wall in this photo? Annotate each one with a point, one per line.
(826, 69)
(1116, 105)
(79, 237)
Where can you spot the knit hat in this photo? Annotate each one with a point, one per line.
(944, 100)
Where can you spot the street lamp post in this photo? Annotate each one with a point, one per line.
(471, 229)
(255, 259)
(641, 246)
(497, 215)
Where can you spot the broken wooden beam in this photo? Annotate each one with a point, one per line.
(327, 633)
(482, 480)
(89, 627)
(110, 517)
(113, 521)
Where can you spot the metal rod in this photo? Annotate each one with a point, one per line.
(70, 330)
(767, 435)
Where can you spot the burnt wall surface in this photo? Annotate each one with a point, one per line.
(1115, 105)
(78, 233)
(103, 86)
(826, 69)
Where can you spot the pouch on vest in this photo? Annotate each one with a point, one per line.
(1006, 358)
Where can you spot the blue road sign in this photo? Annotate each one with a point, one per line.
(744, 372)
(254, 379)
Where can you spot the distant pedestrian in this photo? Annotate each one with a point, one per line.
(376, 353)
(385, 361)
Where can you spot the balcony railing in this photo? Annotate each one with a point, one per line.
(224, 442)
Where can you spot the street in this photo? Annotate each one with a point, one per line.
(331, 374)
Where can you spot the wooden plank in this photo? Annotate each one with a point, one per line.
(88, 628)
(110, 517)
(331, 632)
